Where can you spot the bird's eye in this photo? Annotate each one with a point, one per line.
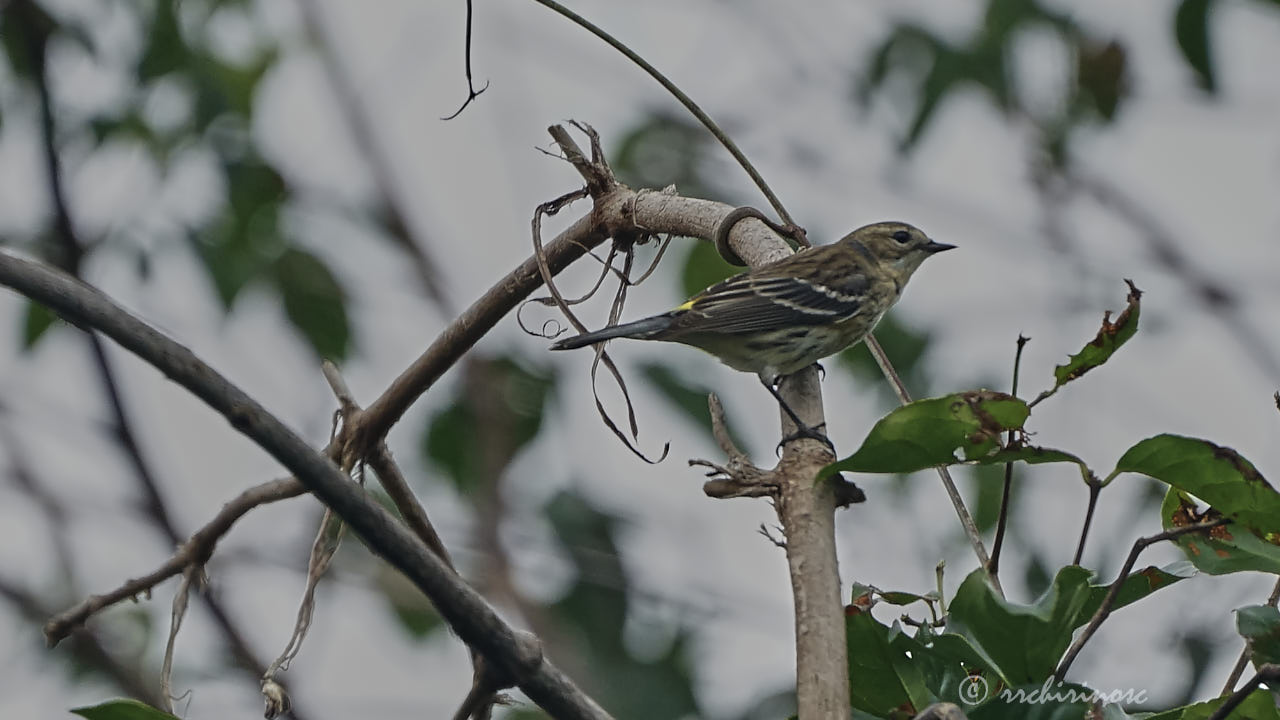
(902, 236)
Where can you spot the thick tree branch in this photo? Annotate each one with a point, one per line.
(467, 613)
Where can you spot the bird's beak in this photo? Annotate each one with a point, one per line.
(935, 247)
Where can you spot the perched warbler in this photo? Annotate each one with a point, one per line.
(784, 316)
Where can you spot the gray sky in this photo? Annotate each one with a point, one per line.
(779, 78)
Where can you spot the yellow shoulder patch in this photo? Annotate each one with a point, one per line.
(688, 304)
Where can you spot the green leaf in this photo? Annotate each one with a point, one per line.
(26, 27)
(688, 397)
(411, 608)
(166, 51)
(703, 267)
(451, 445)
(951, 666)
(504, 398)
(938, 431)
(39, 319)
(593, 613)
(665, 149)
(1260, 626)
(314, 302)
(122, 709)
(245, 241)
(1215, 474)
(883, 681)
(1260, 705)
(1024, 641)
(1226, 549)
(1101, 80)
(900, 598)
(1191, 28)
(1138, 585)
(1109, 339)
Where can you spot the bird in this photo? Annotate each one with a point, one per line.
(784, 316)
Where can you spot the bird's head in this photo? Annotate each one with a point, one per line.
(896, 246)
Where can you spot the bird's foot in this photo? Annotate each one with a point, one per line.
(807, 432)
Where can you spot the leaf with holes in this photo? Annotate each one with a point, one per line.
(1222, 550)
(1099, 350)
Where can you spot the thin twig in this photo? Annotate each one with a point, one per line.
(465, 611)
(477, 320)
(472, 93)
(86, 647)
(1104, 610)
(993, 568)
(1268, 673)
(966, 519)
(688, 103)
(484, 684)
(195, 551)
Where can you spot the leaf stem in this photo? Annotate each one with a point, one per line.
(1095, 487)
(993, 567)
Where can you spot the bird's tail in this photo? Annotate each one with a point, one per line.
(644, 329)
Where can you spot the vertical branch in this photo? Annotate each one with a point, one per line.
(806, 510)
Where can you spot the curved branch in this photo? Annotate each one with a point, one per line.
(195, 551)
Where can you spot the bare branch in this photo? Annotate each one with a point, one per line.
(688, 103)
(86, 647)
(472, 93)
(1104, 610)
(1268, 673)
(195, 551)
(1002, 521)
(468, 613)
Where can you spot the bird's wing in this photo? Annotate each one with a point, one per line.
(754, 302)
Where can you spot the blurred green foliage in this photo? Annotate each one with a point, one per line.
(939, 67)
(246, 241)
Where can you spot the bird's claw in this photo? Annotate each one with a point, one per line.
(806, 432)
